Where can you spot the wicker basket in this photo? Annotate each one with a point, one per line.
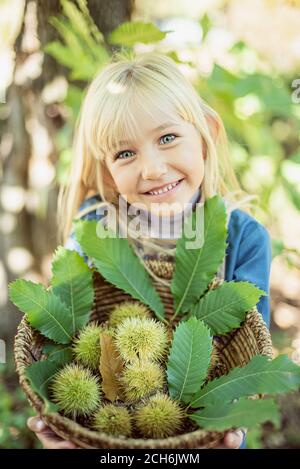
(234, 349)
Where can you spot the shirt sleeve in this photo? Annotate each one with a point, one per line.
(254, 262)
(91, 214)
(73, 245)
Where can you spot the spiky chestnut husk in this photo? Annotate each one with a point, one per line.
(144, 339)
(113, 420)
(141, 378)
(75, 390)
(127, 309)
(160, 417)
(87, 346)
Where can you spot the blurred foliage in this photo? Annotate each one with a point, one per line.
(257, 110)
(14, 412)
(254, 437)
(287, 435)
(84, 49)
(129, 33)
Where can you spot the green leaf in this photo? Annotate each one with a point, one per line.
(224, 308)
(195, 268)
(40, 375)
(61, 354)
(244, 413)
(292, 190)
(278, 247)
(84, 72)
(114, 258)
(70, 37)
(189, 359)
(295, 158)
(44, 311)
(72, 282)
(84, 50)
(60, 53)
(92, 27)
(129, 33)
(260, 376)
(78, 21)
(205, 24)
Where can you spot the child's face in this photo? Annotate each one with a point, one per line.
(157, 158)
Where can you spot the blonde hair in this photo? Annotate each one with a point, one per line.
(107, 114)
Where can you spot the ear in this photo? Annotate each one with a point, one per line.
(214, 127)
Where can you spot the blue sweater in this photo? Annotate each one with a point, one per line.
(248, 253)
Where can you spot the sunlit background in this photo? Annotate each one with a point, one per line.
(243, 57)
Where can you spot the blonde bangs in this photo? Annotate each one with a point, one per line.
(114, 118)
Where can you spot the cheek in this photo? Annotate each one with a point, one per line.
(191, 162)
(198, 171)
(125, 180)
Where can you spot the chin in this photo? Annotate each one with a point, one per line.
(164, 210)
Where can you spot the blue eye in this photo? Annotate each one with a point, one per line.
(168, 137)
(120, 153)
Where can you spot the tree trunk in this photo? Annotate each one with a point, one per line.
(28, 234)
(115, 13)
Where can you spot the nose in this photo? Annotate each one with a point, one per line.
(153, 166)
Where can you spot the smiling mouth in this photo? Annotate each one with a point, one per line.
(167, 188)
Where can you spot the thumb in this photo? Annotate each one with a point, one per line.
(36, 424)
(234, 439)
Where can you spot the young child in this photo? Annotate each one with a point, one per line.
(146, 138)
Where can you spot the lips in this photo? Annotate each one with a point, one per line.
(162, 187)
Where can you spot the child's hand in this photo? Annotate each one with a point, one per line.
(46, 436)
(232, 440)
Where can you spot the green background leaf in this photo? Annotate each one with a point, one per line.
(130, 33)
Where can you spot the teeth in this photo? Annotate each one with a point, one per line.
(166, 189)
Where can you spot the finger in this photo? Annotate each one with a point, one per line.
(36, 424)
(47, 437)
(233, 440)
(220, 446)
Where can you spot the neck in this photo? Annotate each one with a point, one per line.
(167, 227)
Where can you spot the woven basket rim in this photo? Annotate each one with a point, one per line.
(53, 418)
(68, 428)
